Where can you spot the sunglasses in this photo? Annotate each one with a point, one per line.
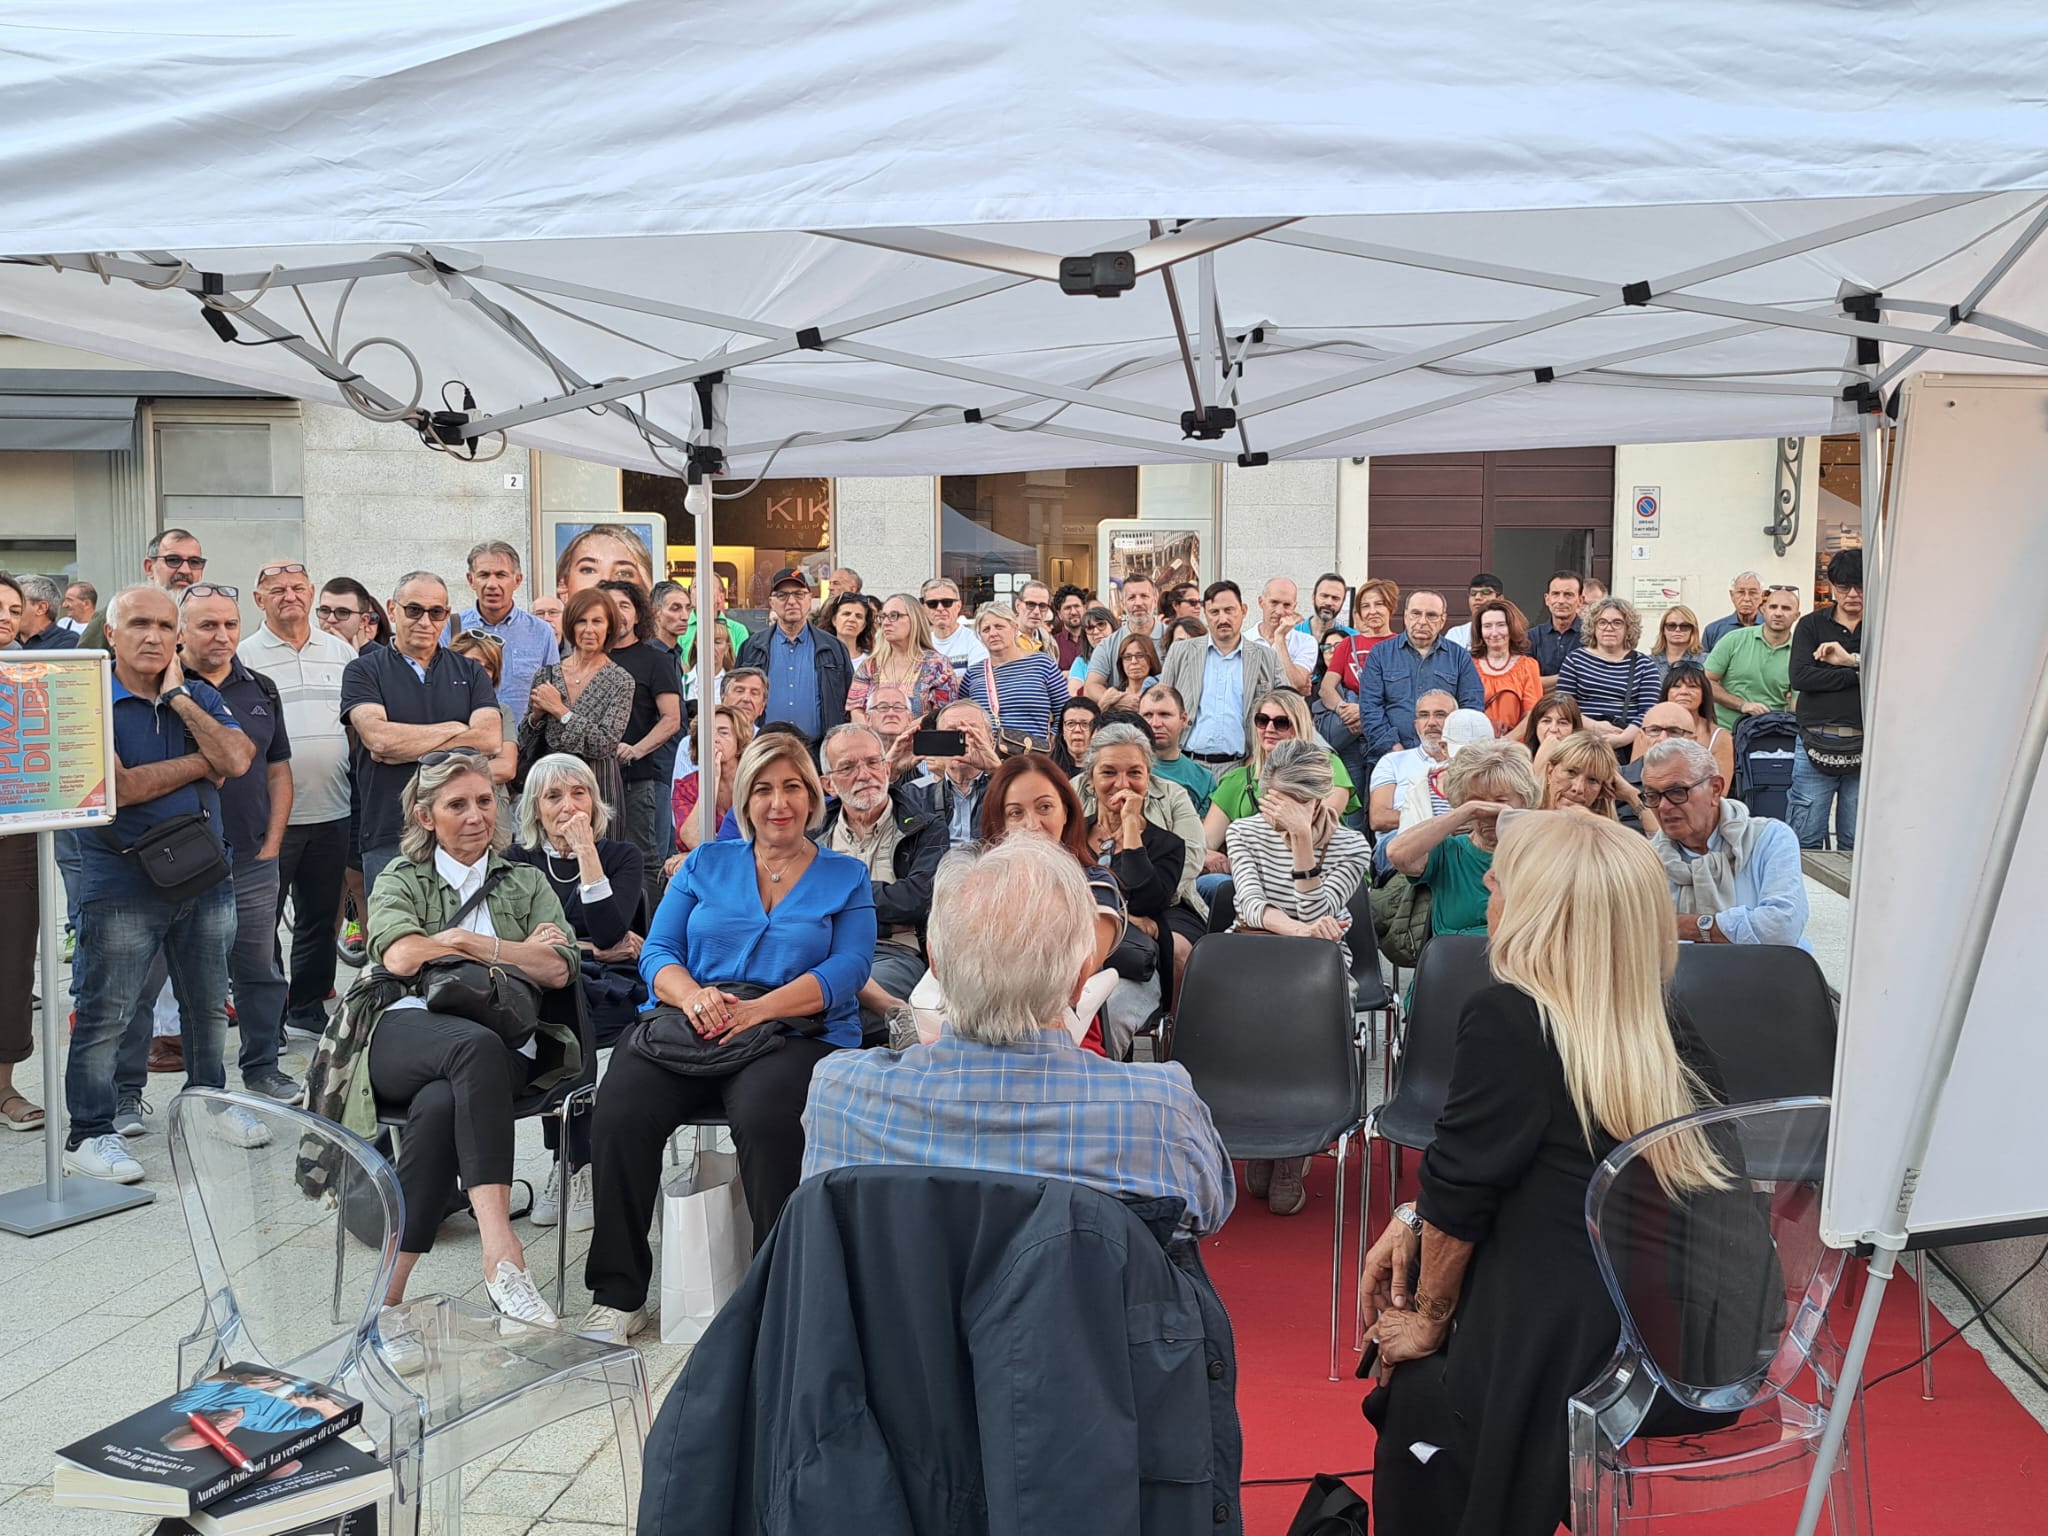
(1273, 722)
(209, 589)
(415, 612)
(181, 562)
(1677, 795)
(293, 568)
(334, 615)
(450, 754)
(942, 602)
(1780, 587)
(1677, 628)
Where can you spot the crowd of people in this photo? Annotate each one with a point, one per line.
(915, 813)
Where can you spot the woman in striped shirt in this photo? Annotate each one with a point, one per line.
(1023, 690)
(1612, 681)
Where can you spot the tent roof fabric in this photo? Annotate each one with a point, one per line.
(1364, 230)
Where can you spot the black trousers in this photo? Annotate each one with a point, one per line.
(640, 1104)
(20, 913)
(311, 865)
(455, 1080)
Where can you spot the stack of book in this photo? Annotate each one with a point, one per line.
(249, 1451)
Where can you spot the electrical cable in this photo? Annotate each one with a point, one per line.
(1290, 1482)
(1975, 1317)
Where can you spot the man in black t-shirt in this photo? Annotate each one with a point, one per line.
(1827, 683)
(647, 752)
(405, 700)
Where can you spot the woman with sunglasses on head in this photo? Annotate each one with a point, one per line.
(457, 1080)
(585, 701)
(903, 658)
(1678, 640)
(1686, 684)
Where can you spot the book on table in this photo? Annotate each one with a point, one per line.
(361, 1521)
(326, 1490)
(159, 1462)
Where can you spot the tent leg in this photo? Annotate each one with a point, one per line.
(1844, 1403)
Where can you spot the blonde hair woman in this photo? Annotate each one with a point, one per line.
(1678, 639)
(1281, 715)
(773, 933)
(903, 658)
(1582, 771)
(1571, 1051)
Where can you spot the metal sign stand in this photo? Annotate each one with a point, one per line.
(58, 1202)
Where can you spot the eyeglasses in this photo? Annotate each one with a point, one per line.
(449, 754)
(1031, 606)
(335, 615)
(291, 569)
(415, 612)
(942, 602)
(180, 562)
(1611, 621)
(1677, 795)
(1273, 722)
(1678, 627)
(1666, 730)
(208, 589)
(781, 592)
(890, 615)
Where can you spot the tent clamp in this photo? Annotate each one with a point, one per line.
(1545, 375)
(1209, 423)
(1106, 274)
(811, 339)
(1252, 460)
(704, 461)
(971, 415)
(1637, 294)
(1864, 397)
(1866, 307)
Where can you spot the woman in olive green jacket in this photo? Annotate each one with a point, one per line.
(456, 1078)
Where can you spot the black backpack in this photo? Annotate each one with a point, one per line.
(1764, 748)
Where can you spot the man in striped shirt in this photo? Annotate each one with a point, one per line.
(1005, 1088)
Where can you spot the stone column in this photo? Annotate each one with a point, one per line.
(887, 528)
(1279, 520)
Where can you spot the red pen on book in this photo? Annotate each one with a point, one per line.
(205, 1428)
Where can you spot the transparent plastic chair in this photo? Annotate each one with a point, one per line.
(1725, 1373)
(299, 1234)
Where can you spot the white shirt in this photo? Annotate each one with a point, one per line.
(67, 622)
(963, 648)
(465, 879)
(309, 687)
(1403, 768)
(1301, 647)
(1460, 634)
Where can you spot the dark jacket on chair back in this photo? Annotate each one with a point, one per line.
(928, 1350)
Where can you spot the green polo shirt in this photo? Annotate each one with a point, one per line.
(1237, 792)
(1751, 668)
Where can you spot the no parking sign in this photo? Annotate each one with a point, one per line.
(1647, 512)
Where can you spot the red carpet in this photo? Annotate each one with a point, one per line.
(1971, 1461)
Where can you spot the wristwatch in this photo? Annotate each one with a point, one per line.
(171, 695)
(1405, 1214)
(1706, 924)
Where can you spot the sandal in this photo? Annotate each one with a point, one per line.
(19, 1114)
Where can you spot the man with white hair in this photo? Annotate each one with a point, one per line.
(1746, 593)
(42, 616)
(1004, 1088)
(1735, 878)
(887, 829)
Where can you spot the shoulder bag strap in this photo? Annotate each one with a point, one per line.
(491, 882)
(995, 706)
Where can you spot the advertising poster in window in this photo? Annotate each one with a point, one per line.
(1169, 556)
(56, 745)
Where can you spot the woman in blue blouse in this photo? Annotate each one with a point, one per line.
(777, 913)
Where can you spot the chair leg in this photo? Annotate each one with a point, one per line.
(1337, 1249)
(1364, 1243)
(1926, 1328)
(340, 1241)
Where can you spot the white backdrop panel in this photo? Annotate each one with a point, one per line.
(1961, 649)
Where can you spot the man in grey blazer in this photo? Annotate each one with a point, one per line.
(1222, 678)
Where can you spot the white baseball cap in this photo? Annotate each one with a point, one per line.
(1464, 727)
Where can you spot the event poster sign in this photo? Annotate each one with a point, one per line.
(56, 740)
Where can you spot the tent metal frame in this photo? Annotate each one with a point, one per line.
(1217, 368)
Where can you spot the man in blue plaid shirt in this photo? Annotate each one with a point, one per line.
(1005, 1088)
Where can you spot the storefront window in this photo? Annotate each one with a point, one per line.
(1838, 520)
(997, 531)
(778, 523)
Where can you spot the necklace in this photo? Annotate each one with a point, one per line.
(775, 875)
(575, 866)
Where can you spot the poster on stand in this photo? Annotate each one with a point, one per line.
(56, 740)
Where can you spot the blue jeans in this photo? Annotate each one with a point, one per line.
(118, 937)
(1814, 794)
(1206, 886)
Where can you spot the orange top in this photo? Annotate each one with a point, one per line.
(1510, 695)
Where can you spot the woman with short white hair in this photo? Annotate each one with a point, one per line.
(770, 933)
(1452, 853)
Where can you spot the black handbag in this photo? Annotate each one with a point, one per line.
(1331, 1507)
(1833, 749)
(533, 746)
(180, 856)
(667, 1039)
(502, 998)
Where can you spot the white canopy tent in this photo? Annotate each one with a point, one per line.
(828, 239)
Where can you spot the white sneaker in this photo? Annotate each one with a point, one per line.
(547, 1205)
(404, 1350)
(513, 1293)
(128, 1118)
(609, 1325)
(239, 1128)
(104, 1157)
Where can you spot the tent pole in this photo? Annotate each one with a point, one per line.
(700, 502)
(1948, 1033)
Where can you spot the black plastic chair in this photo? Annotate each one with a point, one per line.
(1266, 1032)
(1765, 1012)
(1369, 990)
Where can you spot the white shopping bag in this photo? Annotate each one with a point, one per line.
(707, 1242)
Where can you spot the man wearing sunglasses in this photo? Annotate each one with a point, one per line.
(953, 640)
(1735, 878)
(529, 643)
(306, 663)
(173, 563)
(406, 699)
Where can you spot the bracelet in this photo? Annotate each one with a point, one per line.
(1309, 874)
